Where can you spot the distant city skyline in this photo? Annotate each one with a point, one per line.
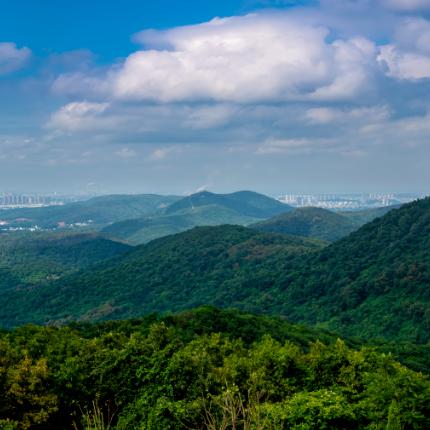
(169, 97)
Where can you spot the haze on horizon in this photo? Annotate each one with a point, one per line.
(269, 95)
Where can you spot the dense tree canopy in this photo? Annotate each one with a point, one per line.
(177, 373)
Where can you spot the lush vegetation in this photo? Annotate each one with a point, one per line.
(245, 203)
(143, 230)
(201, 209)
(206, 369)
(364, 216)
(309, 222)
(373, 283)
(223, 266)
(34, 257)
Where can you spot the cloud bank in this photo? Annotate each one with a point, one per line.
(340, 83)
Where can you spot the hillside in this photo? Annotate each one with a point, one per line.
(96, 211)
(143, 230)
(309, 222)
(364, 216)
(375, 282)
(246, 203)
(30, 258)
(201, 209)
(222, 266)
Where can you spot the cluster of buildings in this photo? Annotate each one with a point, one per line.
(12, 200)
(347, 201)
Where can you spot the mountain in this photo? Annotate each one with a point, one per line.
(364, 216)
(309, 222)
(223, 266)
(143, 230)
(98, 210)
(373, 283)
(31, 258)
(201, 209)
(246, 203)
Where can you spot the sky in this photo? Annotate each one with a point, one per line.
(168, 96)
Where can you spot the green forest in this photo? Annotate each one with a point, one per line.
(371, 284)
(205, 369)
(220, 327)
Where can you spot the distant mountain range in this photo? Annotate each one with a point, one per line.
(201, 209)
(98, 211)
(139, 219)
(245, 203)
(374, 282)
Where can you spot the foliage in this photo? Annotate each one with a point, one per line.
(33, 257)
(371, 284)
(143, 230)
(172, 373)
(245, 203)
(206, 265)
(309, 222)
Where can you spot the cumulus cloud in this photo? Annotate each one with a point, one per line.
(12, 58)
(409, 56)
(253, 58)
(229, 60)
(294, 83)
(405, 65)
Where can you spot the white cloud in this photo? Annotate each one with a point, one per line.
(12, 58)
(203, 117)
(328, 115)
(404, 65)
(407, 5)
(408, 56)
(413, 34)
(78, 116)
(284, 146)
(253, 58)
(161, 153)
(126, 152)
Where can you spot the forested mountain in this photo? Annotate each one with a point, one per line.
(142, 230)
(98, 210)
(375, 282)
(201, 209)
(205, 369)
(364, 216)
(246, 203)
(211, 368)
(309, 222)
(34, 257)
(224, 266)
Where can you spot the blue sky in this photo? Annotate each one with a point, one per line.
(104, 27)
(173, 96)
